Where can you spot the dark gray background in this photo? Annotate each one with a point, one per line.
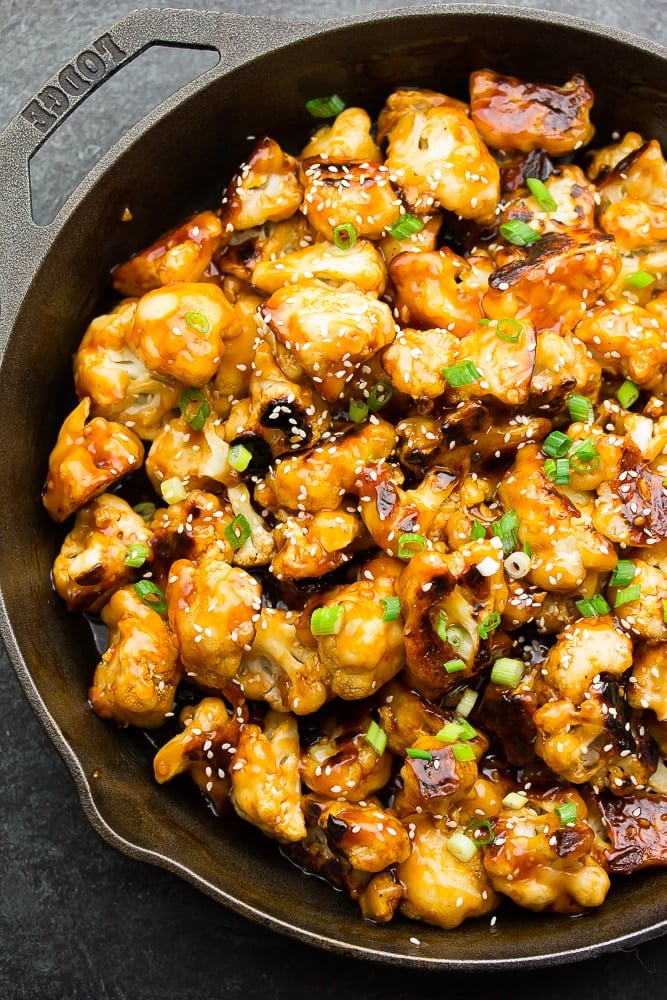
(78, 920)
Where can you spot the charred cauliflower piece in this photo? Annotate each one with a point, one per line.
(641, 174)
(574, 197)
(368, 837)
(435, 783)
(437, 288)
(340, 763)
(347, 138)
(357, 192)
(360, 267)
(136, 679)
(631, 508)
(265, 189)
(186, 530)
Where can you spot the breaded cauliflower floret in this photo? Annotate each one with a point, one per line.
(631, 507)
(562, 365)
(634, 224)
(365, 835)
(87, 459)
(642, 174)
(347, 138)
(573, 194)
(355, 191)
(626, 340)
(266, 787)
(186, 530)
(437, 288)
(341, 763)
(643, 618)
(196, 458)
(266, 188)
(412, 99)
(589, 647)
(405, 715)
(600, 162)
(433, 784)
(311, 545)
(259, 548)
(92, 561)
(360, 267)
(136, 679)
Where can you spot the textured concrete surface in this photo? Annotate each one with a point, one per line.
(78, 920)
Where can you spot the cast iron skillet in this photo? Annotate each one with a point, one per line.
(55, 279)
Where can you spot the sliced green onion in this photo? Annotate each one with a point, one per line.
(527, 549)
(325, 107)
(477, 531)
(483, 825)
(392, 608)
(190, 399)
(376, 738)
(515, 800)
(327, 621)
(173, 490)
(592, 606)
(461, 847)
(145, 511)
(483, 321)
(566, 812)
(380, 395)
(509, 330)
(454, 666)
(197, 321)
(151, 595)
(557, 470)
(557, 444)
(517, 565)
(441, 626)
(624, 573)
(507, 671)
(463, 373)
(137, 554)
(450, 733)
(639, 279)
(541, 194)
(491, 622)
(238, 532)
(409, 544)
(463, 751)
(358, 411)
(239, 457)
(416, 754)
(580, 408)
(664, 610)
(455, 636)
(518, 233)
(628, 394)
(344, 236)
(467, 702)
(584, 456)
(507, 530)
(627, 595)
(406, 226)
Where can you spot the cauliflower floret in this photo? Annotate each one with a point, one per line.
(437, 288)
(330, 331)
(341, 762)
(136, 679)
(562, 365)
(266, 787)
(642, 174)
(232, 379)
(602, 161)
(589, 647)
(360, 267)
(405, 716)
(347, 138)
(631, 509)
(266, 188)
(412, 99)
(573, 194)
(439, 888)
(311, 545)
(182, 254)
(514, 114)
(259, 548)
(433, 784)
(647, 686)
(196, 458)
(186, 530)
(425, 239)
(634, 224)
(636, 825)
(627, 340)
(644, 617)
(439, 159)
(367, 651)
(212, 612)
(92, 561)
(356, 191)
(364, 834)
(87, 459)
(381, 898)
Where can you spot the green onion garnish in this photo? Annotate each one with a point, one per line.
(584, 456)
(507, 671)
(197, 321)
(509, 330)
(327, 621)
(463, 751)
(376, 738)
(145, 511)
(392, 608)
(380, 395)
(467, 702)
(507, 530)
(518, 233)
(515, 800)
(137, 554)
(418, 754)
(557, 470)
(410, 544)
(580, 408)
(639, 279)
(461, 847)
(463, 373)
(239, 457)
(664, 610)
(477, 531)
(490, 623)
(458, 729)
(358, 411)
(624, 573)
(441, 626)
(344, 236)
(325, 107)
(540, 193)
(556, 444)
(628, 394)
(173, 490)
(592, 606)
(194, 408)
(567, 812)
(406, 226)
(151, 595)
(454, 635)
(627, 595)
(483, 825)
(454, 666)
(238, 531)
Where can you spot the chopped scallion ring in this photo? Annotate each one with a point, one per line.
(566, 812)
(239, 457)
(461, 847)
(557, 470)
(197, 322)
(463, 373)
(490, 623)
(509, 330)
(507, 671)
(584, 457)
(151, 595)
(344, 236)
(507, 530)
(325, 107)
(450, 732)
(627, 595)
(628, 394)
(137, 554)
(467, 702)
(477, 531)
(376, 738)
(327, 621)
(485, 828)
(238, 532)
(194, 408)
(557, 444)
(639, 279)
(580, 408)
(518, 233)
(416, 754)
(409, 544)
(392, 608)
(515, 800)
(145, 511)
(517, 565)
(541, 194)
(664, 610)
(463, 751)
(173, 490)
(454, 666)
(406, 226)
(624, 573)
(379, 396)
(441, 626)
(593, 606)
(455, 636)
(358, 411)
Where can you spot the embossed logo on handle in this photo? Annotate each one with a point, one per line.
(89, 67)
